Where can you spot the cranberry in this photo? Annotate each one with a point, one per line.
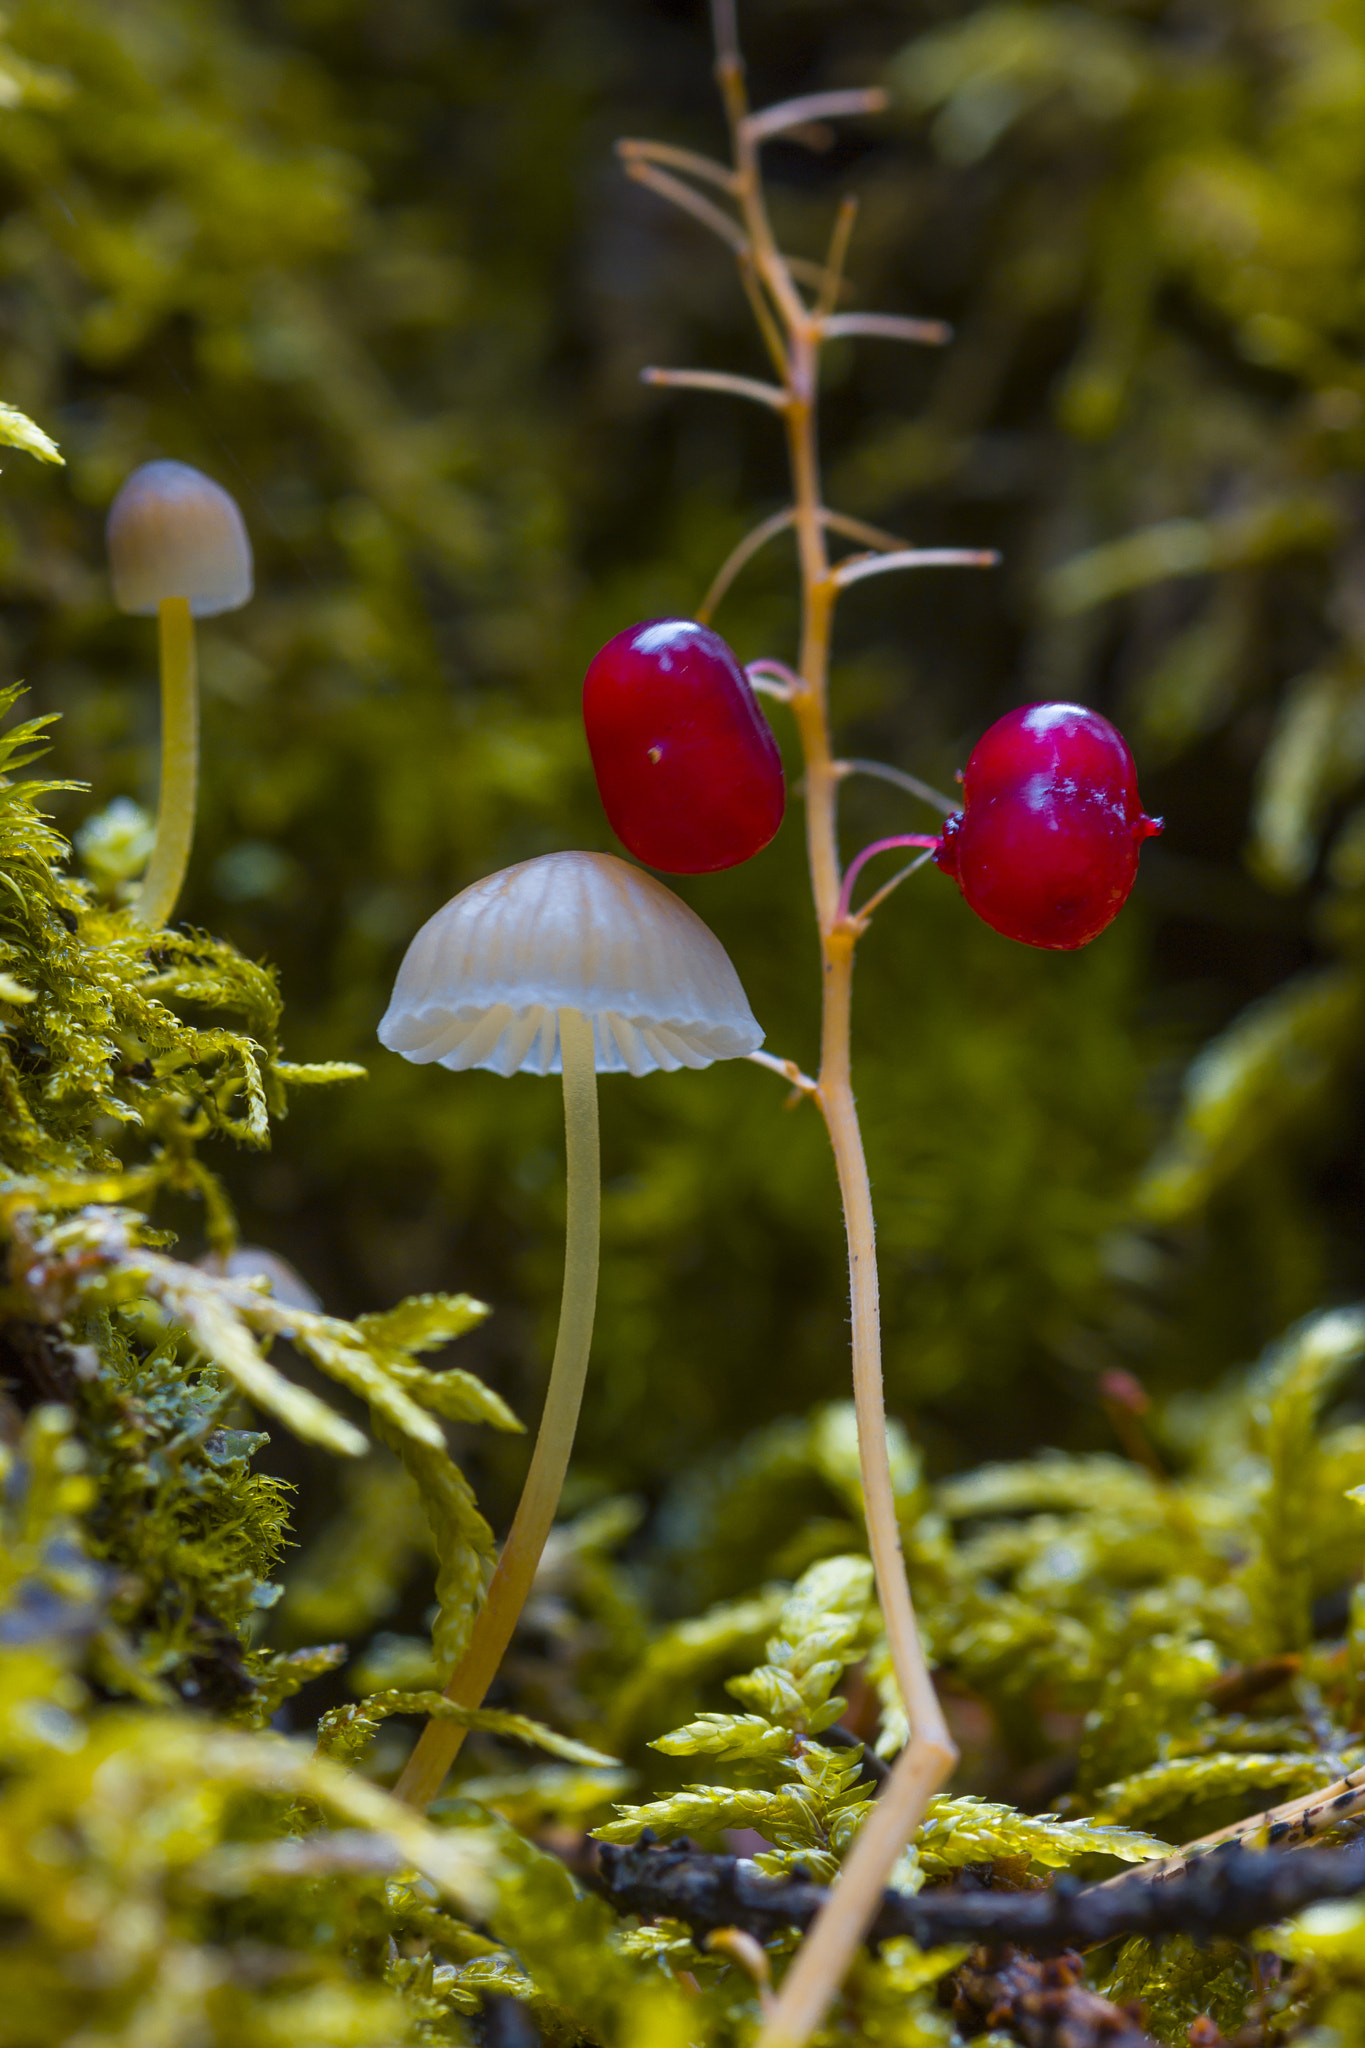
(688, 770)
(1045, 847)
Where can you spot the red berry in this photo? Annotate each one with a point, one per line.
(1045, 847)
(688, 770)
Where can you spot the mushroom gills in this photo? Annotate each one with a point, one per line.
(510, 1041)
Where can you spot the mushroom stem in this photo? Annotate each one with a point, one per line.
(179, 765)
(440, 1741)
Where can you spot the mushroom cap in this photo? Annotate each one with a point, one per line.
(482, 983)
(174, 532)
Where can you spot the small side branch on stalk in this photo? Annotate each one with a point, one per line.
(858, 529)
(779, 522)
(859, 567)
(681, 195)
(633, 149)
(741, 555)
(766, 316)
(836, 256)
(813, 106)
(720, 380)
(725, 35)
(884, 772)
(802, 1084)
(1231, 1894)
(887, 327)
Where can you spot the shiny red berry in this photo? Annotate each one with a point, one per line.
(688, 770)
(1045, 847)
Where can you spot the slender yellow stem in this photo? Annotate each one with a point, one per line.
(179, 765)
(439, 1744)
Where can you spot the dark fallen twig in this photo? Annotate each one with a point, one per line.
(873, 1765)
(505, 2023)
(1229, 1892)
(1044, 2005)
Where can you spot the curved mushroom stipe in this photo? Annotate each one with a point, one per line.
(440, 1741)
(176, 806)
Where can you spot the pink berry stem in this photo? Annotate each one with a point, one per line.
(774, 679)
(860, 860)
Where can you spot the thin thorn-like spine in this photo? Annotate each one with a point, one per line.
(854, 104)
(887, 327)
(836, 256)
(859, 567)
(633, 149)
(882, 771)
(771, 395)
(666, 186)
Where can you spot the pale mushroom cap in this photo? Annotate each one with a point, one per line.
(483, 981)
(174, 532)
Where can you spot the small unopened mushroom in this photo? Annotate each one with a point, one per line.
(177, 547)
(576, 963)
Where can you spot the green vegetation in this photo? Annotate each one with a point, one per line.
(370, 266)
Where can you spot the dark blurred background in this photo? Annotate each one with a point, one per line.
(372, 264)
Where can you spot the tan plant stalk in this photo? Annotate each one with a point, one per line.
(794, 330)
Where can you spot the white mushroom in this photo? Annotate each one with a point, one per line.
(177, 547)
(484, 980)
(174, 532)
(576, 963)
